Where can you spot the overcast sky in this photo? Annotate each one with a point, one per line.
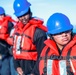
(45, 8)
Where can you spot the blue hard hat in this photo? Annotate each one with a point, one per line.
(21, 7)
(58, 23)
(2, 11)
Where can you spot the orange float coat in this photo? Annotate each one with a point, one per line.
(4, 27)
(52, 63)
(24, 47)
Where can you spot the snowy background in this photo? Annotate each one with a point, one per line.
(45, 8)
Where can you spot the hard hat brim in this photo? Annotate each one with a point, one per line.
(60, 30)
(22, 12)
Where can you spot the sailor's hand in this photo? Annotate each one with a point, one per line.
(20, 71)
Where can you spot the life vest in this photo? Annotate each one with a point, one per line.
(4, 27)
(51, 63)
(23, 40)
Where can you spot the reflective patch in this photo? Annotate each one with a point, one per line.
(0, 27)
(62, 67)
(0, 56)
(18, 45)
(49, 67)
(22, 42)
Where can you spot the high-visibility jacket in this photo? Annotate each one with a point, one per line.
(52, 63)
(23, 40)
(4, 27)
